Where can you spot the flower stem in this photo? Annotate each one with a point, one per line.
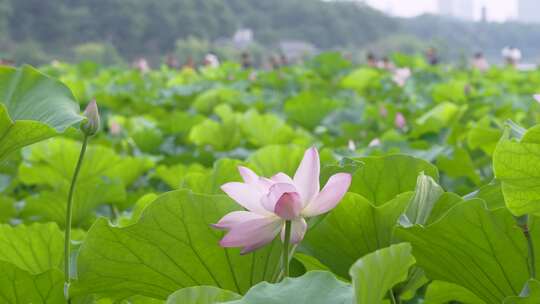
(394, 299)
(285, 253)
(67, 236)
(531, 255)
(523, 223)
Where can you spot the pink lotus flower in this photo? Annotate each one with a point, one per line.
(270, 202)
(537, 97)
(401, 76)
(399, 121)
(115, 128)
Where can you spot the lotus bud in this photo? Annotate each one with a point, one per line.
(91, 125)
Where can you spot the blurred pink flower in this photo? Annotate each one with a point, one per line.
(374, 143)
(115, 128)
(400, 76)
(272, 201)
(537, 97)
(399, 121)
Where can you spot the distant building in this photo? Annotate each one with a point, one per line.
(529, 11)
(242, 38)
(462, 9)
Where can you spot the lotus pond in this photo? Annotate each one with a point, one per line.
(321, 182)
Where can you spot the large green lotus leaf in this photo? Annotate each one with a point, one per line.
(382, 178)
(459, 164)
(202, 295)
(145, 133)
(20, 287)
(33, 107)
(272, 159)
(172, 246)
(223, 135)
(439, 292)
(439, 117)
(314, 287)
(174, 175)
(482, 136)
(52, 163)
(103, 178)
(309, 263)
(35, 248)
(308, 109)
(516, 165)
(7, 208)
(224, 171)
(530, 296)
(491, 193)
(30, 262)
(208, 100)
(361, 79)
(353, 229)
(474, 247)
(376, 273)
(267, 129)
(453, 90)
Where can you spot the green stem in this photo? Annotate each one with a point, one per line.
(523, 223)
(114, 213)
(393, 298)
(67, 236)
(530, 246)
(285, 253)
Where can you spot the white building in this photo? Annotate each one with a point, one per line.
(462, 9)
(242, 38)
(529, 11)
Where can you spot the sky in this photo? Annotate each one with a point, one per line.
(497, 10)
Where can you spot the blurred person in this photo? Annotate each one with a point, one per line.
(479, 62)
(431, 56)
(283, 61)
(387, 64)
(172, 62)
(371, 60)
(511, 55)
(246, 60)
(274, 63)
(211, 60)
(190, 64)
(7, 62)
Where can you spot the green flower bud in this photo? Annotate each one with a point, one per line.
(90, 126)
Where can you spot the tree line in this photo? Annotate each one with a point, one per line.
(38, 30)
